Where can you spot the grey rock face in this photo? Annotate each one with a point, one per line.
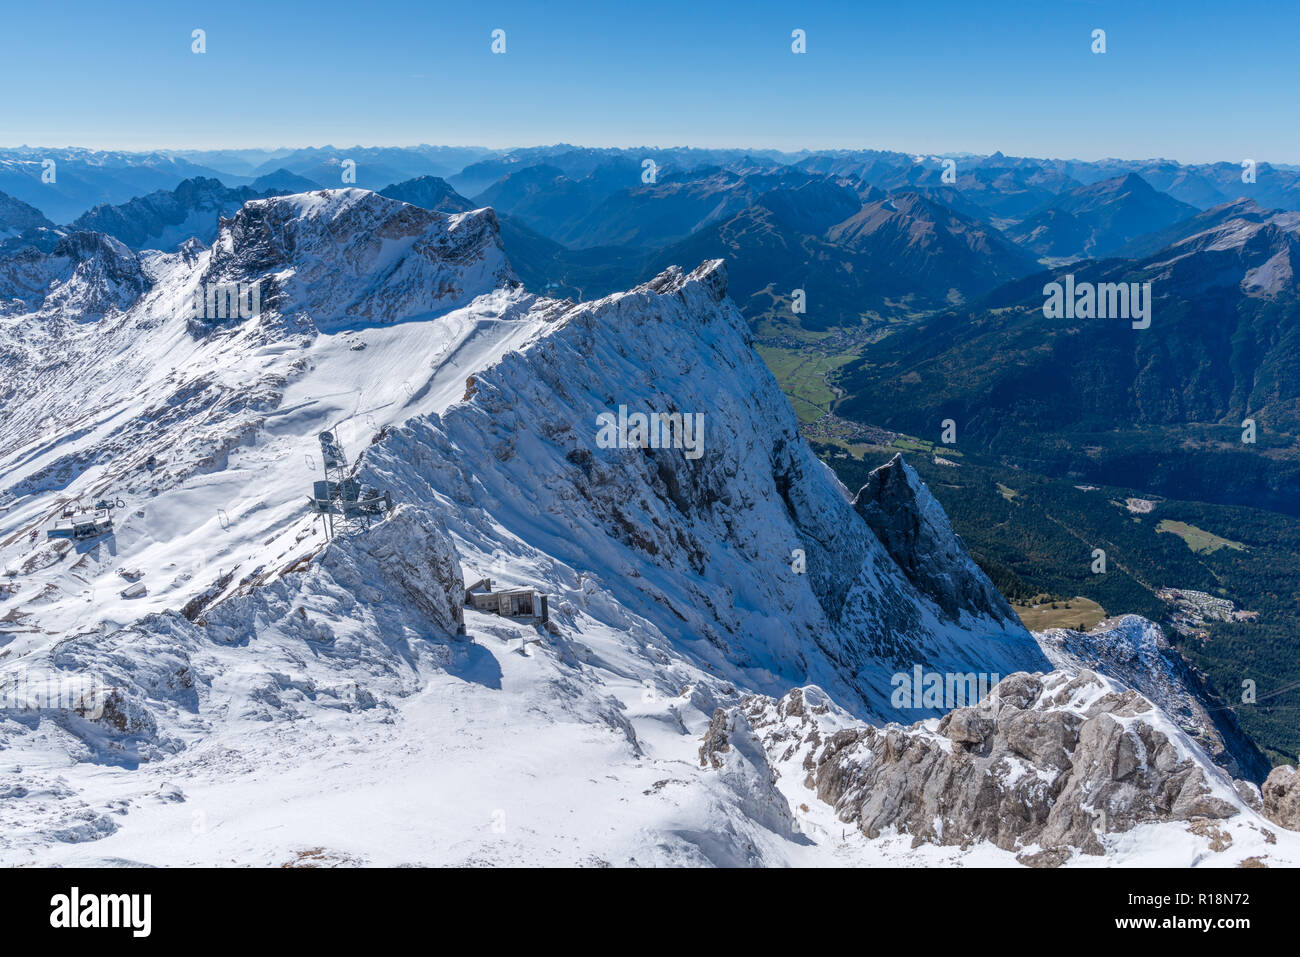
(715, 741)
(1045, 765)
(1282, 797)
(916, 533)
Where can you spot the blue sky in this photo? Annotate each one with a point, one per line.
(1193, 81)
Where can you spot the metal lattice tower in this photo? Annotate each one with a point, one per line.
(346, 505)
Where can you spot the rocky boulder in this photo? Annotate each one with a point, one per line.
(1281, 793)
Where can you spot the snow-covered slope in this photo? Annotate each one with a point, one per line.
(700, 548)
(276, 697)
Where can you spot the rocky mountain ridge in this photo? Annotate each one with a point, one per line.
(262, 666)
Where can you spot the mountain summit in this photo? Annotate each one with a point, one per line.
(691, 576)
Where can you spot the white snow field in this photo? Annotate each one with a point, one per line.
(280, 700)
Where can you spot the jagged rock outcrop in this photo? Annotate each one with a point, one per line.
(411, 549)
(166, 218)
(353, 256)
(84, 276)
(734, 751)
(1044, 766)
(912, 526)
(1281, 794)
(1135, 652)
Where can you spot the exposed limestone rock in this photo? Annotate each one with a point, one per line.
(1135, 652)
(1282, 797)
(1043, 766)
(1250, 794)
(715, 741)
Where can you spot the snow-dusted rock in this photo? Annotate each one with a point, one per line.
(701, 548)
(412, 551)
(912, 526)
(1046, 766)
(86, 275)
(1135, 652)
(352, 256)
(166, 218)
(733, 750)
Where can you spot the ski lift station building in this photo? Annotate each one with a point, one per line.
(82, 526)
(508, 602)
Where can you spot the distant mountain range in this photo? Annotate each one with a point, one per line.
(167, 218)
(862, 236)
(865, 235)
(65, 183)
(898, 251)
(1222, 347)
(1099, 219)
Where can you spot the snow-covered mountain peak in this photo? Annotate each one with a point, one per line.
(732, 542)
(350, 257)
(166, 218)
(84, 276)
(912, 526)
(711, 275)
